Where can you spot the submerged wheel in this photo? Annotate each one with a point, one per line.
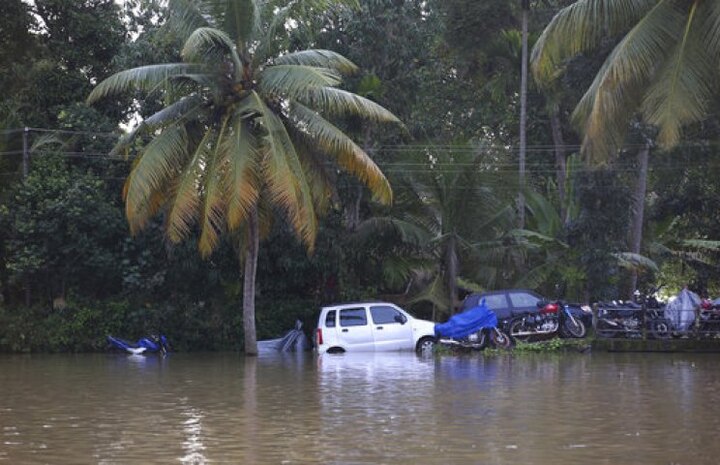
(500, 339)
(425, 345)
(517, 327)
(660, 329)
(575, 328)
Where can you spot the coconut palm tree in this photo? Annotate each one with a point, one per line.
(663, 67)
(244, 133)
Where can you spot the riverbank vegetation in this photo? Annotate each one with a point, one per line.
(611, 202)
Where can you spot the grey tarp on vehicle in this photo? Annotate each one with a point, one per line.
(681, 311)
(293, 341)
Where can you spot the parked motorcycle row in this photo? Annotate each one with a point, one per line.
(687, 315)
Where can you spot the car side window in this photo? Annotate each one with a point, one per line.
(384, 314)
(330, 319)
(523, 299)
(353, 317)
(496, 301)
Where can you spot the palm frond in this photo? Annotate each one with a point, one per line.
(407, 232)
(51, 139)
(321, 175)
(214, 189)
(293, 81)
(657, 249)
(337, 102)
(607, 107)
(435, 293)
(682, 89)
(634, 261)
(579, 28)
(396, 271)
(154, 168)
(243, 20)
(710, 12)
(536, 276)
(244, 158)
(319, 58)
(207, 42)
(142, 78)
(349, 155)
(472, 286)
(702, 244)
(286, 180)
(186, 201)
(184, 109)
(534, 236)
(544, 216)
(185, 16)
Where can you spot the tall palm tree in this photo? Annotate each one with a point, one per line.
(244, 131)
(664, 65)
(523, 108)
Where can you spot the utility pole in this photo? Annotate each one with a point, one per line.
(26, 152)
(26, 170)
(523, 110)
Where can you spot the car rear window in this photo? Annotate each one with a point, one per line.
(353, 317)
(330, 319)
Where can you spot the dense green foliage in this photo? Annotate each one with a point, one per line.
(71, 272)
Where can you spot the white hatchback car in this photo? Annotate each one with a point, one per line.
(371, 326)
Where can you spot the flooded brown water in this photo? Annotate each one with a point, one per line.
(360, 409)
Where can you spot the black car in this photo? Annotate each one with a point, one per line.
(509, 303)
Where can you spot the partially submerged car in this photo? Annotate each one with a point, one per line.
(371, 326)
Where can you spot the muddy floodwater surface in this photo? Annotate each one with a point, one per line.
(396, 408)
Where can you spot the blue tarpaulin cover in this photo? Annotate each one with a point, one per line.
(465, 323)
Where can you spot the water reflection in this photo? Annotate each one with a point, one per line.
(193, 444)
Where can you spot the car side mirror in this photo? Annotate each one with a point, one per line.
(402, 319)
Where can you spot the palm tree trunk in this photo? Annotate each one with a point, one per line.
(639, 210)
(560, 162)
(451, 272)
(523, 111)
(249, 275)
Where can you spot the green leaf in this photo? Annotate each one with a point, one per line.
(143, 78)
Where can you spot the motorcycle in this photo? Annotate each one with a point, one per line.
(552, 319)
(625, 319)
(150, 343)
(475, 328)
(708, 319)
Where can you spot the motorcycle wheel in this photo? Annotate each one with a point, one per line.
(500, 339)
(660, 329)
(518, 327)
(575, 329)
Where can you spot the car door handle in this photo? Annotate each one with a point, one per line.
(379, 327)
(344, 330)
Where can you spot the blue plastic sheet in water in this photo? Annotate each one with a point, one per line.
(467, 322)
